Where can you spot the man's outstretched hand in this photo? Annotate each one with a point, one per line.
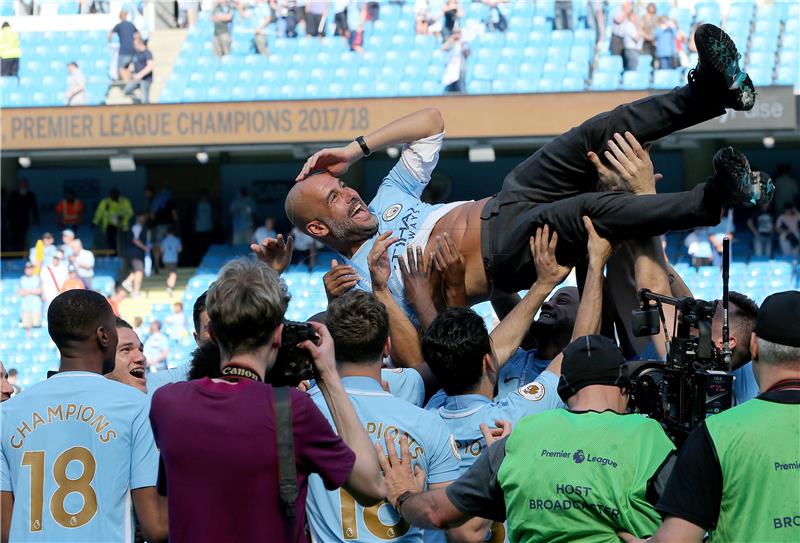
(543, 250)
(598, 247)
(336, 161)
(275, 252)
(631, 167)
(380, 268)
(339, 279)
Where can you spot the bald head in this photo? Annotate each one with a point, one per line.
(330, 211)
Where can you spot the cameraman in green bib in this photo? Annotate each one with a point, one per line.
(578, 474)
(738, 474)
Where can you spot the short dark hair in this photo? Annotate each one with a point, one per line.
(743, 316)
(122, 323)
(73, 63)
(197, 310)
(359, 325)
(206, 362)
(12, 372)
(75, 315)
(454, 346)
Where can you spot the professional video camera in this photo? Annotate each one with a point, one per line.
(694, 381)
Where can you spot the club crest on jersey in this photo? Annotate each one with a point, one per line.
(454, 447)
(392, 211)
(532, 391)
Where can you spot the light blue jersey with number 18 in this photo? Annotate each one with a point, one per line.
(72, 449)
(335, 515)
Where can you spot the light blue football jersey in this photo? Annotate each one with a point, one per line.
(72, 448)
(464, 414)
(406, 384)
(165, 376)
(745, 386)
(523, 367)
(334, 515)
(397, 207)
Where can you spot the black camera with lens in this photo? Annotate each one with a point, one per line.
(293, 364)
(693, 383)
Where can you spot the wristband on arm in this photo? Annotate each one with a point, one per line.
(364, 147)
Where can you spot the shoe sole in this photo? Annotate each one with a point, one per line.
(766, 189)
(734, 166)
(716, 48)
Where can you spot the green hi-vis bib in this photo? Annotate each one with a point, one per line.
(758, 446)
(581, 476)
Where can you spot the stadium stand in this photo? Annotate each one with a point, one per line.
(528, 57)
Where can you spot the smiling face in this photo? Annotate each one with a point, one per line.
(130, 361)
(329, 209)
(559, 312)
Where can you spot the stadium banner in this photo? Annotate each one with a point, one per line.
(285, 122)
(314, 121)
(775, 109)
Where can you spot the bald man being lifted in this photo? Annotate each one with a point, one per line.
(554, 186)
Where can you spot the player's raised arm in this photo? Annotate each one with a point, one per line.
(337, 160)
(508, 335)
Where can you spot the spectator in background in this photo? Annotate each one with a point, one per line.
(340, 17)
(135, 251)
(76, 85)
(372, 11)
(563, 15)
(73, 282)
(355, 38)
(716, 234)
(144, 65)
(786, 187)
(286, 13)
(140, 22)
(788, 228)
(170, 247)
(648, 25)
(619, 19)
(187, 13)
(9, 51)
(424, 19)
(176, 322)
(632, 42)
(497, 20)
(70, 210)
(42, 253)
(116, 297)
(316, 16)
(304, 250)
(112, 217)
(141, 330)
(222, 16)
(126, 32)
(83, 260)
(666, 35)
(451, 12)
(762, 225)
(260, 42)
(53, 277)
(266, 231)
(203, 222)
(455, 71)
(156, 348)
(163, 214)
(241, 210)
(66, 242)
(21, 208)
(30, 290)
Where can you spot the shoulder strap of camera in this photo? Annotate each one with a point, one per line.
(286, 461)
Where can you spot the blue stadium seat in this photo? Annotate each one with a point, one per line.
(243, 93)
(539, 39)
(635, 80)
(741, 12)
(516, 38)
(572, 84)
(580, 53)
(578, 69)
(761, 76)
(360, 89)
(760, 60)
(561, 38)
(667, 79)
(645, 64)
(430, 88)
(766, 44)
(509, 54)
(501, 86)
(557, 54)
(609, 64)
(505, 71)
(603, 81)
(708, 12)
(554, 70)
(549, 83)
(787, 75)
(482, 71)
(479, 86)
(337, 90)
(529, 71)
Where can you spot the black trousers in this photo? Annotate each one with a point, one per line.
(555, 186)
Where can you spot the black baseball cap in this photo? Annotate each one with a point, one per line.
(779, 319)
(591, 360)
